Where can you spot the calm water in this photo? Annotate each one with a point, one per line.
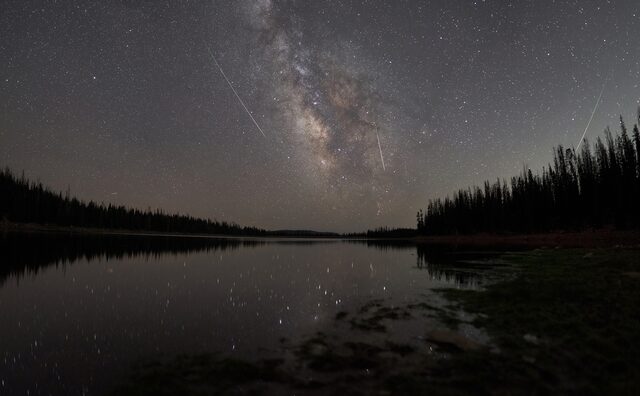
(78, 312)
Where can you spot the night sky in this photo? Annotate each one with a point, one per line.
(368, 108)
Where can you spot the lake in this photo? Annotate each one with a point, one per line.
(79, 312)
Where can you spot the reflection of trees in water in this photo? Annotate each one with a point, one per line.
(384, 244)
(441, 265)
(27, 253)
(22, 254)
(301, 242)
(442, 262)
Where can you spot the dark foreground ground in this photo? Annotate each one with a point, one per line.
(558, 321)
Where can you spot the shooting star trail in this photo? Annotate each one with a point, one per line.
(380, 148)
(595, 108)
(236, 93)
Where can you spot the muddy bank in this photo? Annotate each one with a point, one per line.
(583, 239)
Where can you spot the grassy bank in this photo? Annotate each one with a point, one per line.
(568, 323)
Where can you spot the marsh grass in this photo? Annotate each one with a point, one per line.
(568, 323)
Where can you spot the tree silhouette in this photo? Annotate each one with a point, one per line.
(577, 191)
(22, 201)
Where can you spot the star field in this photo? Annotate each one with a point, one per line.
(122, 102)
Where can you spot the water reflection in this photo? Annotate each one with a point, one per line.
(455, 266)
(440, 265)
(77, 311)
(385, 244)
(27, 253)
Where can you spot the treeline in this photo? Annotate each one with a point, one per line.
(23, 201)
(592, 188)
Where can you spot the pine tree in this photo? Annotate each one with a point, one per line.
(585, 189)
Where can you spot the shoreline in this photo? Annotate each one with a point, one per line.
(55, 229)
(71, 230)
(557, 239)
(605, 237)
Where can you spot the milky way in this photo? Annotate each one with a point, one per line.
(368, 108)
(331, 111)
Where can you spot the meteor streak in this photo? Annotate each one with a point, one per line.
(235, 93)
(595, 108)
(380, 148)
